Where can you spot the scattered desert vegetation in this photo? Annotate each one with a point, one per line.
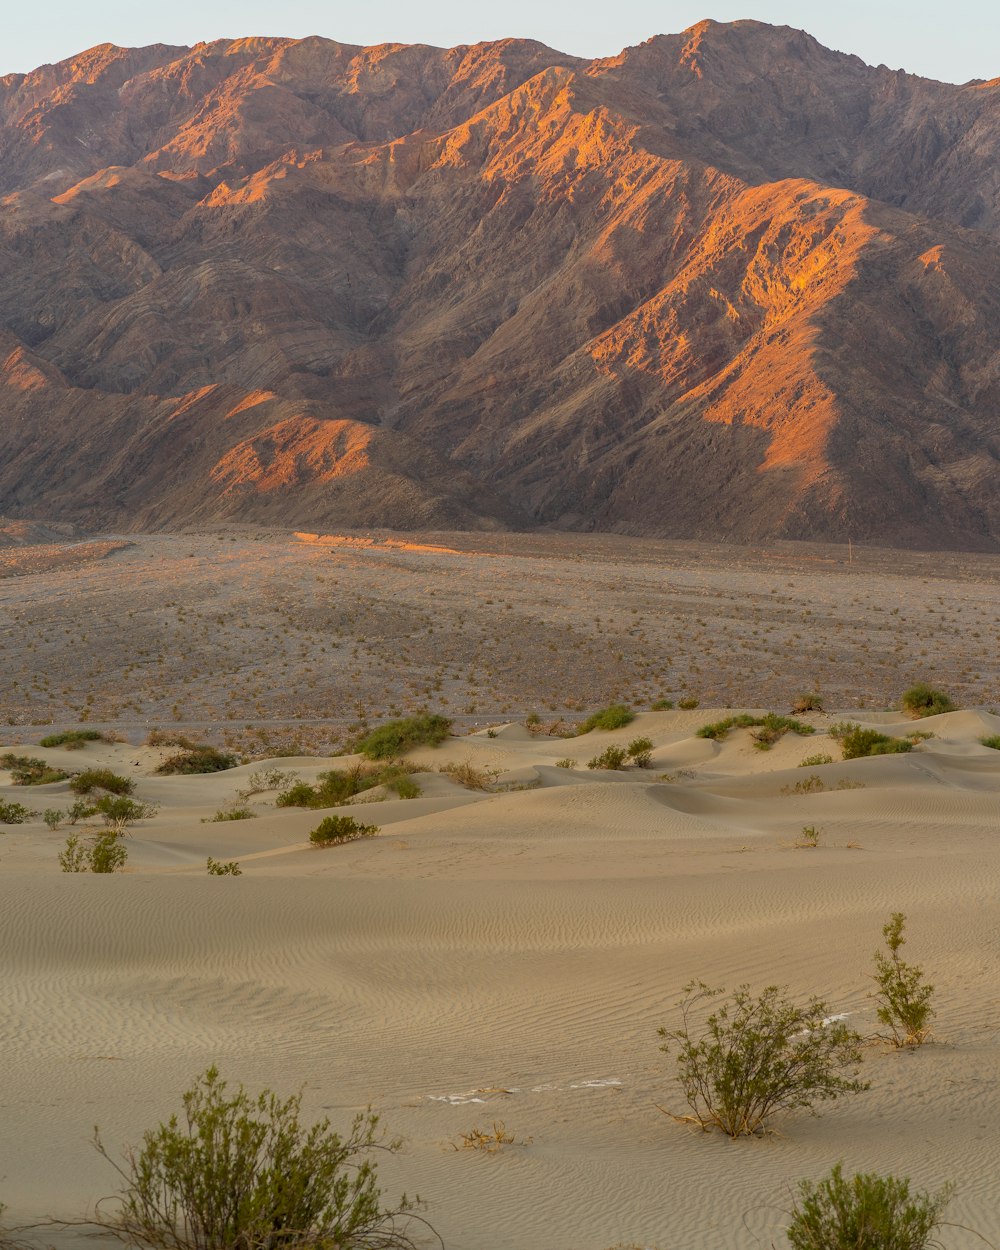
(921, 700)
(488, 1141)
(617, 716)
(92, 779)
(102, 853)
(229, 868)
(756, 1056)
(197, 757)
(337, 786)
(766, 730)
(904, 999)
(866, 1212)
(390, 741)
(337, 830)
(75, 739)
(857, 743)
(26, 770)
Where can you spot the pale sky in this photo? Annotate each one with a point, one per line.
(953, 42)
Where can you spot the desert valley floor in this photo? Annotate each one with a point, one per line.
(503, 954)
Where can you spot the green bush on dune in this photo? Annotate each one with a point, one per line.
(768, 728)
(100, 779)
(26, 770)
(338, 786)
(867, 1212)
(396, 737)
(921, 700)
(199, 757)
(857, 743)
(617, 716)
(73, 739)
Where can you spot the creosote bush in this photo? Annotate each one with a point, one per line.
(753, 1057)
(14, 813)
(856, 742)
(338, 786)
(235, 811)
(921, 700)
(904, 1001)
(767, 729)
(241, 1172)
(399, 736)
(993, 740)
(74, 739)
(197, 757)
(336, 830)
(867, 1212)
(230, 868)
(611, 757)
(119, 811)
(100, 779)
(617, 716)
(103, 853)
(25, 770)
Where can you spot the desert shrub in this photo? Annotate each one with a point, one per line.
(264, 779)
(566, 762)
(859, 743)
(688, 704)
(662, 705)
(53, 817)
(118, 810)
(103, 853)
(867, 1212)
(904, 1001)
(611, 757)
(617, 716)
(25, 770)
(336, 830)
(80, 809)
(768, 729)
(992, 741)
(814, 761)
(406, 788)
(488, 1141)
(757, 1056)
(809, 838)
(399, 736)
(14, 813)
(921, 700)
(807, 702)
(813, 784)
(241, 1172)
(216, 868)
(197, 758)
(471, 775)
(233, 812)
(640, 752)
(100, 779)
(338, 786)
(73, 739)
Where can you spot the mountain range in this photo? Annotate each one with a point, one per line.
(728, 283)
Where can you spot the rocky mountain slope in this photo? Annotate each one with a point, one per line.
(726, 283)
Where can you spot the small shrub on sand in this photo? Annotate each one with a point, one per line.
(904, 1001)
(808, 702)
(662, 705)
(263, 779)
(859, 743)
(80, 809)
(754, 1057)
(921, 700)
(814, 761)
(617, 716)
(768, 729)
(992, 741)
(809, 838)
(471, 775)
(640, 752)
(399, 736)
(688, 704)
(241, 1172)
(338, 786)
(216, 868)
(235, 811)
(14, 813)
(74, 739)
(118, 811)
(566, 763)
(611, 757)
(336, 830)
(867, 1212)
(25, 770)
(53, 817)
(488, 1141)
(103, 853)
(197, 758)
(100, 779)
(813, 784)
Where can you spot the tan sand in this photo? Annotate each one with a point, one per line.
(510, 956)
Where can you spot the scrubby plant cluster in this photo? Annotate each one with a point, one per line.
(14, 813)
(754, 1056)
(336, 830)
(197, 757)
(101, 779)
(75, 739)
(617, 716)
(230, 868)
(767, 729)
(857, 742)
(638, 754)
(338, 786)
(395, 738)
(921, 700)
(103, 853)
(867, 1212)
(26, 770)
(904, 999)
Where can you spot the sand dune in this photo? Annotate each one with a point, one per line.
(509, 955)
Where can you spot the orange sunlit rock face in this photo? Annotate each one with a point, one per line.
(727, 282)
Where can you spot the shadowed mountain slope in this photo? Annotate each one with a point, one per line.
(726, 283)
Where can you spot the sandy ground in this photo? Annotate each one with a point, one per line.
(271, 640)
(510, 956)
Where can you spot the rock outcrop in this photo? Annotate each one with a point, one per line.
(728, 283)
